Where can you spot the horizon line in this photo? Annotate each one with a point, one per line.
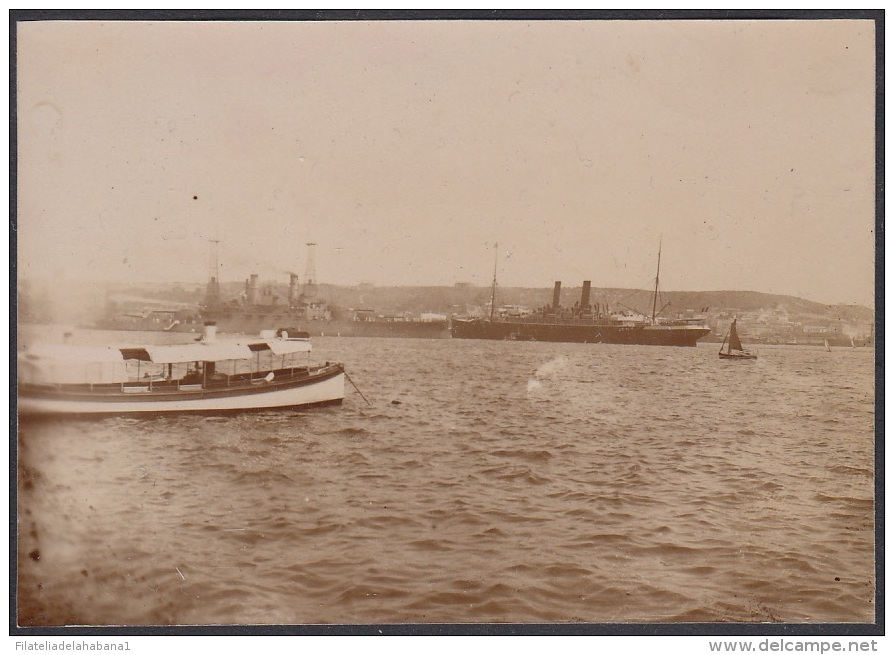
(108, 283)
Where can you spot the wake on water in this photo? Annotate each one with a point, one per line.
(551, 370)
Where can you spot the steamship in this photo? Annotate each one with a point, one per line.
(584, 323)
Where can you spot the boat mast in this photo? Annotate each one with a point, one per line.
(493, 290)
(655, 294)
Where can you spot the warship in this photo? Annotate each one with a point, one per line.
(265, 307)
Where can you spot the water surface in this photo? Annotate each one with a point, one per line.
(487, 482)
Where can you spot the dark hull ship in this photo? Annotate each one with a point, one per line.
(581, 330)
(251, 321)
(583, 324)
(379, 326)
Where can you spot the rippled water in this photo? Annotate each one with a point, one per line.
(488, 482)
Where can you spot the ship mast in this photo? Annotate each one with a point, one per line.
(655, 294)
(493, 291)
(212, 290)
(310, 275)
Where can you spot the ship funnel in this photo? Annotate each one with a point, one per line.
(252, 290)
(556, 291)
(212, 291)
(210, 335)
(585, 296)
(293, 290)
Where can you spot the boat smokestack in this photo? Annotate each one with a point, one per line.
(556, 291)
(210, 335)
(585, 296)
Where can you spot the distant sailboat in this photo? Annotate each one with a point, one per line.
(826, 344)
(734, 349)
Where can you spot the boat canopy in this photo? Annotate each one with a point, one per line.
(196, 352)
(62, 352)
(212, 352)
(287, 346)
(51, 363)
(70, 364)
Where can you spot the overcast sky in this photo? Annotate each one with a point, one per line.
(406, 149)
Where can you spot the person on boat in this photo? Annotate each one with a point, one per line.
(193, 374)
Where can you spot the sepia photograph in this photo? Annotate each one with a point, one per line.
(430, 319)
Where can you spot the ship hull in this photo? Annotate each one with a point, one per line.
(643, 335)
(253, 325)
(382, 329)
(325, 387)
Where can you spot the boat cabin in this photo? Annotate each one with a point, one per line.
(174, 367)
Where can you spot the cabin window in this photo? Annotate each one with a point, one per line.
(138, 371)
